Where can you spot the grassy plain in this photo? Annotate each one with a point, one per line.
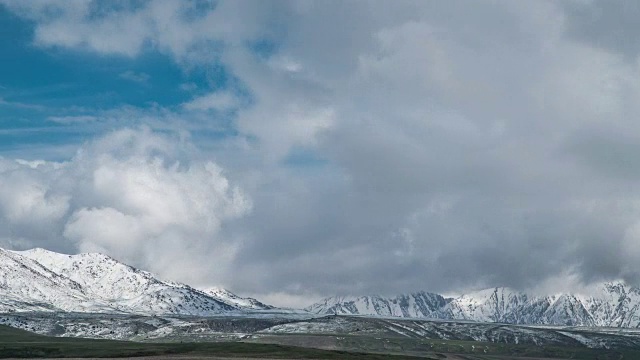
(15, 343)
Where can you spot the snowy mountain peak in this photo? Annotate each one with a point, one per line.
(100, 275)
(232, 299)
(51, 257)
(618, 288)
(419, 304)
(615, 304)
(42, 280)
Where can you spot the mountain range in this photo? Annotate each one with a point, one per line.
(39, 280)
(614, 305)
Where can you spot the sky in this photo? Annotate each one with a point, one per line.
(292, 150)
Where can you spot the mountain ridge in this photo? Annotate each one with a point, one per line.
(615, 305)
(42, 280)
(39, 280)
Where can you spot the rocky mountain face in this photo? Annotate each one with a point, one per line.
(418, 305)
(41, 280)
(615, 305)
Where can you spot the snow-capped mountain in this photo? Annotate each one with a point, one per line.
(509, 306)
(420, 305)
(234, 300)
(41, 280)
(614, 305)
(26, 285)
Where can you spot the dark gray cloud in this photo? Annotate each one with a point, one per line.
(611, 25)
(607, 152)
(465, 143)
(458, 144)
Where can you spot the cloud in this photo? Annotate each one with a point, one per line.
(133, 194)
(220, 101)
(64, 24)
(452, 150)
(464, 145)
(21, 105)
(130, 75)
(605, 24)
(183, 29)
(188, 87)
(74, 119)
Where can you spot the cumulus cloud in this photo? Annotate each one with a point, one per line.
(462, 145)
(132, 194)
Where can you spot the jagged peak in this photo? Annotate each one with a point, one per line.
(487, 292)
(618, 286)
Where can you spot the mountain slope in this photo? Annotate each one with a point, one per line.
(508, 306)
(614, 305)
(41, 280)
(232, 299)
(125, 288)
(617, 306)
(26, 285)
(420, 304)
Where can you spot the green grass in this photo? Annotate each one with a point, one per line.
(483, 350)
(16, 343)
(436, 348)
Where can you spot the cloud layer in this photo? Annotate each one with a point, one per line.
(425, 145)
(132, 194)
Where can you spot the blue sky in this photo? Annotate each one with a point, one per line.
(296, 149)
(48, 94)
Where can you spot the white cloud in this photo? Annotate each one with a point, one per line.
(220, 101)
(21, 105)
(449, 134)
(178, 28)
(188, 87)
(141, 78)
(285, 64)
(286, 126)
(132, 194)
(76, 119)
(24, 199)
